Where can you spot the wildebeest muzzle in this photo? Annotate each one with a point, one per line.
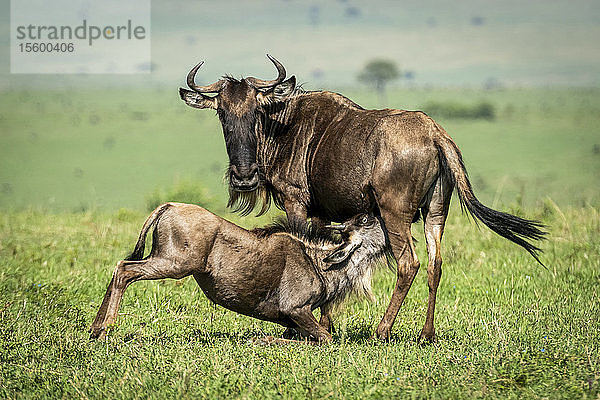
(244, 178)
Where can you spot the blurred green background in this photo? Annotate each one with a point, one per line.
(68, 150)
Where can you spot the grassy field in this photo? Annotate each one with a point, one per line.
(79, 168)
(507, 327)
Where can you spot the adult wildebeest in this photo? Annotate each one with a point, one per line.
(280, 273)
(320, 155)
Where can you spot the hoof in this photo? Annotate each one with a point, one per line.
(264, 341)
(97, 333)
(382, 335)
(427, 338)
(270, 341)
(290, 333)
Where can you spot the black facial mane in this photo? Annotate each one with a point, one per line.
(245, 202)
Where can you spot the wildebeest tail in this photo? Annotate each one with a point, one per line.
(518, 230)
(138, 251)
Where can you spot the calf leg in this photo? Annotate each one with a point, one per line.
(295, 212)
(326, 321)
(308, 325)
(127, 272)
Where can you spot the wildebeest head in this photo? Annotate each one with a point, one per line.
(237, 103)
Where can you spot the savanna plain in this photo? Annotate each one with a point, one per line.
(79, 171)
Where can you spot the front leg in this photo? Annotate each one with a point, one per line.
(296, 213)
(326, 321)
(308, 325)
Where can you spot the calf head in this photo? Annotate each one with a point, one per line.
(361, 233)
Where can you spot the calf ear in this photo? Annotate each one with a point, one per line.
(197, 100)
(341, 253)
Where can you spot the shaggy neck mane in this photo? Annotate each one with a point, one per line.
(303, 231)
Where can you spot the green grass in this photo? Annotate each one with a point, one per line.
(507, 327)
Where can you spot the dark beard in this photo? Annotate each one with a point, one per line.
(245, 202)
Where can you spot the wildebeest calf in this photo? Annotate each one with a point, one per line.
(279, 274)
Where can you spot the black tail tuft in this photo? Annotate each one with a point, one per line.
(509, 226)
(517, 230)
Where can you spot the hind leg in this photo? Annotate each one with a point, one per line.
(397, 208)
(127, 272)
(434, 216)
(402, 177)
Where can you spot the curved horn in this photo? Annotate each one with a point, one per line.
(262, 84)
(215, 87)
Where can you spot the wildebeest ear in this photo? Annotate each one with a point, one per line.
(341, 253)
(278, 92)
(197, 100)
(285, 88)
